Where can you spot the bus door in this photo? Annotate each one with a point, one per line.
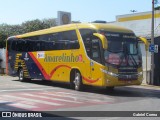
(92, 46)
(96, 59)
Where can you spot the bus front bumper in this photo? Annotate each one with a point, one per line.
(112, 79)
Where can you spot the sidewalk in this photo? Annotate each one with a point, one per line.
(145, 84)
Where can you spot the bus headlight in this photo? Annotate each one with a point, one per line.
(140, 73)
(112, 74)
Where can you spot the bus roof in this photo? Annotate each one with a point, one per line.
(96, 26)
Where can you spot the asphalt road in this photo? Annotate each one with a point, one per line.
(37, 95)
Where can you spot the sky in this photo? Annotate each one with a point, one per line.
(18, 11)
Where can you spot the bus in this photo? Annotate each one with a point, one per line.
(81, 54)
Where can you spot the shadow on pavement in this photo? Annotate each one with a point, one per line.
(128, 91)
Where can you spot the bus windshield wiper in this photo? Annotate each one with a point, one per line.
(133, 60)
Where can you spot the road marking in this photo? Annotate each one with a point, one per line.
(74, 97)
(32, 100)
(4, 101)
(66, 93)
(28, 89)
(88, 96)
(89, 99)
(84, 94)
(23, 105)
(55, 94)
(43, 100)
(38, 96)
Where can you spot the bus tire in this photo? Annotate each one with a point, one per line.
(76, 81)
(21, 75)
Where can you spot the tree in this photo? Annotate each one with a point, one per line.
(28, 26)
(157, 8)
(51, 22)
(75, 22)
(3, 38)
(156, 2)
(9, 30)
(37, 24)
(32, 25)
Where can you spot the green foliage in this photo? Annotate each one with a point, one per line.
(157, 8)
(49, 22)
(28, 26)
(3, 37)
(33, 25)
(156, 3)
(75, 22)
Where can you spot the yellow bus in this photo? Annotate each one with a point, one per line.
(80, 54)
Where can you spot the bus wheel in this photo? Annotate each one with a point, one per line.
(77, 81)
(21, 75)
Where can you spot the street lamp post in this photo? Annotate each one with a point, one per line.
(152, 42)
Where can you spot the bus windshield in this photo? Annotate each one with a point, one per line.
(122, 49)
(120, 42)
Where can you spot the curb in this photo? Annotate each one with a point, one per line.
(150, 85)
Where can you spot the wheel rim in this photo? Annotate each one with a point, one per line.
(21, 75)
(77, 81)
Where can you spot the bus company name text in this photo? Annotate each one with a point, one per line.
(63, 58)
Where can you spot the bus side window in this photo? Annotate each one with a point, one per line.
(13, 45)
(67, 40)
(19, 45)
(47, 42)
(55, 41)
(86, 36)
(96, 54)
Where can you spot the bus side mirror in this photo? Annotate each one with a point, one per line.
(103, 40)
(145, 42)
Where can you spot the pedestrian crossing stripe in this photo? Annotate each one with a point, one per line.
(40, 101)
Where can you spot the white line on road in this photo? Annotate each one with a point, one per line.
(32, 100)
(59, 95)
(83, 95)
(38, 96)
(90, 96)
(23, 105)
(28, 89)
(3, 101)
(76, 97)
